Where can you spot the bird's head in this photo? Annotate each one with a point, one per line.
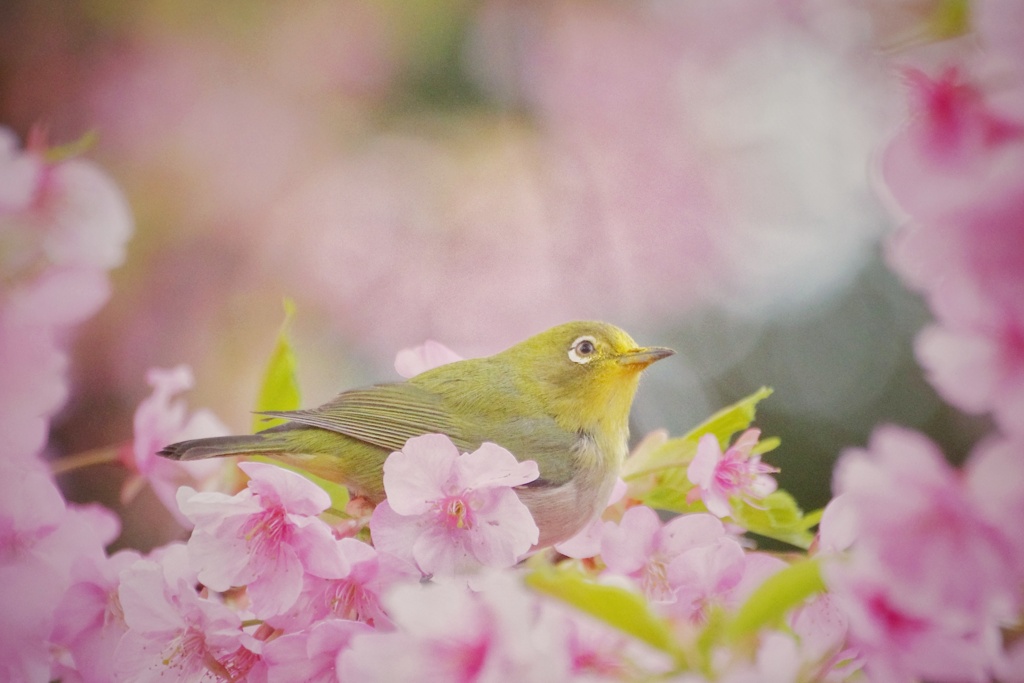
(585, 372)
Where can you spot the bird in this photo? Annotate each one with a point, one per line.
(561, 398)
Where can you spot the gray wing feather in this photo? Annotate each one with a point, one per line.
(388, 415)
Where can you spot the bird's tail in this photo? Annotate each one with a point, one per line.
(215, 447)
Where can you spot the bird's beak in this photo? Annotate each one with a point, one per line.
(641, 358)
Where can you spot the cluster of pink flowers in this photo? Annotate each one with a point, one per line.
(162, 419)
(932, 569)
(923, 559)
(63, 224)
(719, 476)
(956, 172)
(284, 596)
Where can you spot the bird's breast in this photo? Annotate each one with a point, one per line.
(561, 512)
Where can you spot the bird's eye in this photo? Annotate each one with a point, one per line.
(582, 350)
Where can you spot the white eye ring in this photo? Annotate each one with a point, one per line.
(582, 350)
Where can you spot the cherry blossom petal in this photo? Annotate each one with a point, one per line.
(427, 356)
(701, 469)
(310, 656)
(626, 546)
(510, 531)
(418, 474)
(450, 522)
(491, 466)
(689, 531)
(251, 539)
(396, 534)
(278, 486)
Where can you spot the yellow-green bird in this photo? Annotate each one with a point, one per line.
(561, 398)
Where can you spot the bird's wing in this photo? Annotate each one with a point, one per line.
(388, 415)
(540, 439)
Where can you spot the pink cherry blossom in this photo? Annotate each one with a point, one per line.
(953, 148)
(704, 577)
(967, 260)
(600, 652)
(777, 659)
(640, 547)
(811, 650)
(1011, 667)
(310, 655)
(61, 296)
(31, 507)
(757, 566)
(19, 173)
(66, 213)
(62, 225)
(356, 593)
(687, 563)
(174, 634)
(821, 628)
(447, 633)
(427, 356)
(450, 513)
(978, 370)
(903, 476)
(90, 217)
(265, 537)
(42, 539)
(998, 22)
(737, 472)
(33, 318)
(89, 621)
(969, 264)
(901, 644)
(838, 527)
(161, 419)
(30, 591)
(994, 476)
(32, 373)
(956, 169)
(928, 579)
(719, 575)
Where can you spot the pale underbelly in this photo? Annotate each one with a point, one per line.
(562, 512)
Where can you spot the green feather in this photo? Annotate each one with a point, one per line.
(388, 415)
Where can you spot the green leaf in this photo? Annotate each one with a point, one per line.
(280, 391)
(812, 519)
(777, 516)
(950, 18)
(766, 445)
(731, 419)
(72, 149)
(670, 493)
(656, 472)
(776, 596)
(673, 453)
(618, 607)
(678, 452)
(280, 388)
